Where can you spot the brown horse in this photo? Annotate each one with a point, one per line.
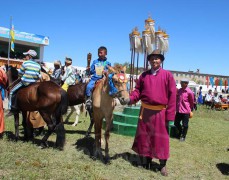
(46, 97)
(111, 86)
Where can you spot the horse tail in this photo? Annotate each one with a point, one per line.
(64, 101)
(60, 136)
(61, 109)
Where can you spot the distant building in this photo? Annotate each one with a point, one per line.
(198, 78)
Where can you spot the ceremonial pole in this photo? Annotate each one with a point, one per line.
(147, 46)
(162, 41)
(149, 41)
(136, 47)
(8, 63)
(89, 55)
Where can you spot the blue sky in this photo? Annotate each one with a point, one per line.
(198, 29)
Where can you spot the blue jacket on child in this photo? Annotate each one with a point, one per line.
(94, 76)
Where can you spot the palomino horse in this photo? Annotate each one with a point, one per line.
(46, 97)
(111, 86)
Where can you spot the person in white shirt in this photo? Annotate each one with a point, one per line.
(216, 100)
(69, 76)
(209, 96)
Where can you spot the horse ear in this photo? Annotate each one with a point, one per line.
(124, 68)
(111, 69)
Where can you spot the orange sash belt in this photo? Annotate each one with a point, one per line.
(151, 107)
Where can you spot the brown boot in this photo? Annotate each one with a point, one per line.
(164, 171)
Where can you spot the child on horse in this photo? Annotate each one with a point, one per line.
(29, 73)
(69, 75)
(98, 65)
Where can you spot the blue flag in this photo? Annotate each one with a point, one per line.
(212, 81)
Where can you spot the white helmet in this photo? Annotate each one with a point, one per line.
(31, 53)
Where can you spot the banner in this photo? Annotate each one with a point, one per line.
(212, 81)
(228, 85)
(23, 36)
(225, 84)
(221, 83)
(216, 82)
(207, 79)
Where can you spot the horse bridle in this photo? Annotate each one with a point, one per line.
(122, 79)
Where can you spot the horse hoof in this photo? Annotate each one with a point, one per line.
(97, 155)
(107, 161)
(25, 139)
(74, 124)
(60, 148)
(93, 158)
(44, 145)
(87, 135)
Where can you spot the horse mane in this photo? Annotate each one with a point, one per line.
(118, 68)
(13, 70)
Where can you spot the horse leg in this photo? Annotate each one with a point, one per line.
(60, 134)
(59, 111)
(70, 110)
(51, 126)
(98, 130)
(77, 109)
(91, 124)
(28, 131)
(107, 136)
(16, 125)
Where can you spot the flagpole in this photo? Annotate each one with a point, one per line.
(9, 41)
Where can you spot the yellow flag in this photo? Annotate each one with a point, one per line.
(12, 36)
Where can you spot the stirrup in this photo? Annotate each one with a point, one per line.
(88, 104)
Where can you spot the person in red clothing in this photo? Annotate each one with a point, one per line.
(185, 103)
(156, 88)
(3, 81)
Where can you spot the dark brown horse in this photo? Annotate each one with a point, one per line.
(76, 96)
(46, 97)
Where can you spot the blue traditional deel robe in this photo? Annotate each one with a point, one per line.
(94, 76)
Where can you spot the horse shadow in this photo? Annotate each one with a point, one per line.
(81, 132)
(135, 160)
(70, 122)
(223, 168)
(11, 137)
(87, 145)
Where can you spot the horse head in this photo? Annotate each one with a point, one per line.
(118, 83)
(12, 75)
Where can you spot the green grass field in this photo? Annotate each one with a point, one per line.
(204, 154)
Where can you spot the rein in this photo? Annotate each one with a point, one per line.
(113, 90)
